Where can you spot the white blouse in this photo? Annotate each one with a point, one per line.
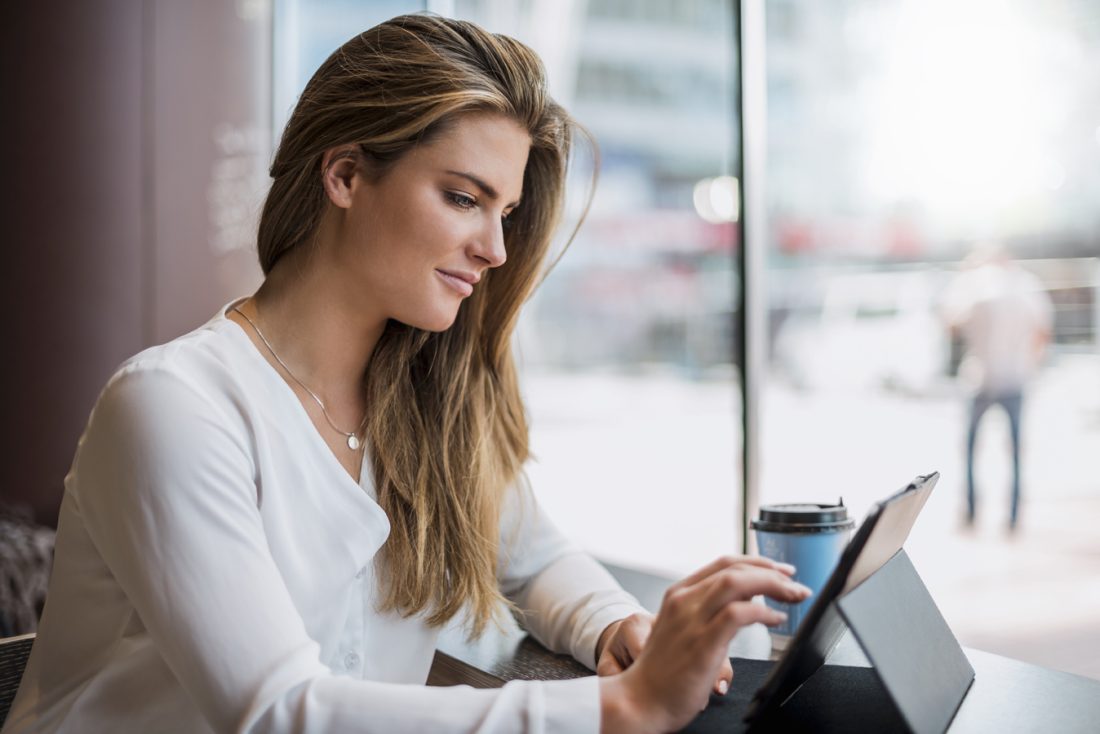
(214, 571)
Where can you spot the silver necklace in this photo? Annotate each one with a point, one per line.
(353, 440)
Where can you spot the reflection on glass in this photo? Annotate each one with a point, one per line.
(901, 135)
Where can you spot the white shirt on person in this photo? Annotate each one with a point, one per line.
(215, 571)
(1004, 314)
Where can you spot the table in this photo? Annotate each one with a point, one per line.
(1007, 695)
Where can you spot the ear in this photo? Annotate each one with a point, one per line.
(339, 166)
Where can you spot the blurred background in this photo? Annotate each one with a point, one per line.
(899, 139)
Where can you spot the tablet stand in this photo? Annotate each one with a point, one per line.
(909, 645)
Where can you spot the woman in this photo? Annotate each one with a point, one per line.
(268, 520)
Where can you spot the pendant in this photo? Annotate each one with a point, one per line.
(353, 442)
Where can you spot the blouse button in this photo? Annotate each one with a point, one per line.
(351, 661)
(362, 572)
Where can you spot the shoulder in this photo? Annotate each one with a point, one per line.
(208, 364)
(198, 386)
(175, 414)
(1031, 288)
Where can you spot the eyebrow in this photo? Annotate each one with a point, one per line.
(483, 185)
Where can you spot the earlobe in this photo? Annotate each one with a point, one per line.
(338, 169)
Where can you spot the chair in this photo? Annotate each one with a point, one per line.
(14, 652)
(26, 554)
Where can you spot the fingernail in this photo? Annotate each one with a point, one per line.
(723, 687)
(787, 567)
(800, 588)
(781, 616)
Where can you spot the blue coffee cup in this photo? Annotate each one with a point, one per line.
(811, 538)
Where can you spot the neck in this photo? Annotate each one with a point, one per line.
(324, 334)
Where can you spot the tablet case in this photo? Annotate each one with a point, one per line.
(921, 666)
(838, 699)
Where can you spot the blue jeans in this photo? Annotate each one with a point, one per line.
(1011, 402)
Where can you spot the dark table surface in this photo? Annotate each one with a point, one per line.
(1007, 695)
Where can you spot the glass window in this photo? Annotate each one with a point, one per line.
(307, 31)
(932, 188)
(628, 348)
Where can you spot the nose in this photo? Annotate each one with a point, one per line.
(488, 246)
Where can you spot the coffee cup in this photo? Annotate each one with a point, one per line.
(810, 537)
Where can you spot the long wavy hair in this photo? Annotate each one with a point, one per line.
(447, 432)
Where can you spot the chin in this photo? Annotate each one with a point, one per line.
(436, 322)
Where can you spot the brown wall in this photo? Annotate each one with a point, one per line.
(133, 141)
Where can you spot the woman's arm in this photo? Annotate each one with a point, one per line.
(168, 493)
(567, 599)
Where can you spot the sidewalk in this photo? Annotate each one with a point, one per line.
(1033, 595)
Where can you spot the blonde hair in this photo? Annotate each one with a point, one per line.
(447, 433)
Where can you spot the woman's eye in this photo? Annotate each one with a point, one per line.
(462, 201)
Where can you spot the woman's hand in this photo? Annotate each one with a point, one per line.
(622, 642)
(675, 666)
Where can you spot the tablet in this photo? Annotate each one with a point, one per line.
(881, 535)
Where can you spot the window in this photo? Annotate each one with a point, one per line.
(628, 347)
(901, 136)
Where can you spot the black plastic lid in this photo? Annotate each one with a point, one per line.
(802, 518)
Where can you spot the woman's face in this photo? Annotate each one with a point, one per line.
(418, 239)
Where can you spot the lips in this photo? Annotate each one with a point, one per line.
(461, 282)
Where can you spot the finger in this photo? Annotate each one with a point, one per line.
(763, 562)
(619, 649)
(607, 637)
(725, 676)
(716, 565)
(629, 638)
(742, 584)
(723, 562)
(733, 616)
(608, 665)
(634, 637)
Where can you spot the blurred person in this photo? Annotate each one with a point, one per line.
(268, 520)
(1003, 316)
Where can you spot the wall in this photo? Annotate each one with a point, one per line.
(133, 142)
